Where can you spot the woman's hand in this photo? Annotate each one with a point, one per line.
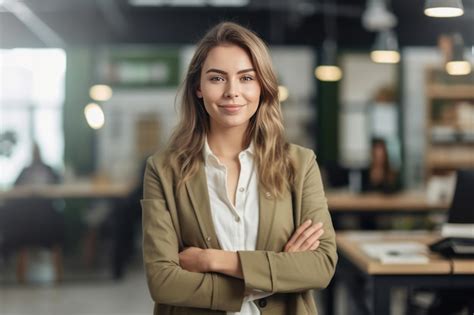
(306, 237)
(194, 259)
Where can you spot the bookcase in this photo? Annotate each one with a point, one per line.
(449, 122)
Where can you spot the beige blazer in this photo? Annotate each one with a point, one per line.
(174, 219)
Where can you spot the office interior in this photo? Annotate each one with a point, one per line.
(89, 88)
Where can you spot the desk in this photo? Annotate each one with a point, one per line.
(439, 272)
(69, 190)
(408, 201)
(87, 190)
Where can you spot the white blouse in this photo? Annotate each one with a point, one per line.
(236, 226)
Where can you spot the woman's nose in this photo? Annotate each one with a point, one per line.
(231, 90)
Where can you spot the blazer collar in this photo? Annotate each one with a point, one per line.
(199, 197)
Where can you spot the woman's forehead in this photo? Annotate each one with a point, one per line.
(228, 58)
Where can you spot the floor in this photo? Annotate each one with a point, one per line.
(94, 292)
(84, 292)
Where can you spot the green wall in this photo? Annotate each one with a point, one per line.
(79, 138)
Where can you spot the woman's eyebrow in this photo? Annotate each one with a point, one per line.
(223, 72)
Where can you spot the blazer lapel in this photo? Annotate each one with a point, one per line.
(267, 203)
(199, 196)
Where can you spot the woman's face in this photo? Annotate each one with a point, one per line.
(229, 87)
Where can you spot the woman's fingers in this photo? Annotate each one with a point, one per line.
(305, 235)
(310, 241)
(315, 246)
(297, 233)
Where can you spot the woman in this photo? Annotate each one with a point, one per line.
(380, 176)
(233, 215)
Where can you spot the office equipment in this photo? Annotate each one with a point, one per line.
(397, 252)
(458, 232)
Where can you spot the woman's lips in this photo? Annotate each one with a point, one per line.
(231, 108)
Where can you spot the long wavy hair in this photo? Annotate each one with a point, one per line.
(265, 129)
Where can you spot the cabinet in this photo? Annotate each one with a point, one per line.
(449, 122)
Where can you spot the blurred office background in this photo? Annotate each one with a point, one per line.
(92, 85)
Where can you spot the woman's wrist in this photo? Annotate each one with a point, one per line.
(225, 262)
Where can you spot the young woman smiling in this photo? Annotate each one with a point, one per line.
(234, 217)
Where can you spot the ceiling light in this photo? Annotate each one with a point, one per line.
(282, 93)
(457, 64)
(189, 3)
(444, 8)
(328, 73)
(328, 70)
(228, 3)
(376, 17)
(458, 67)
(94, 116)
(100, 92)
(385, 48)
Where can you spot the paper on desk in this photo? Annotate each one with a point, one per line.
(397, 252)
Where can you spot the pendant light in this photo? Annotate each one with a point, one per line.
(385, 49)
(457, 64)
(444, 8)
(327, 70)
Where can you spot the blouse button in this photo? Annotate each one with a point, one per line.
(208, 238)
(237, 219)
(241, 189)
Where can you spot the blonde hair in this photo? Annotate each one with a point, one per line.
(265, 129)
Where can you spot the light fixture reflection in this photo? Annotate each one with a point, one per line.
(94, 116)
(443, 8)
(100, 92)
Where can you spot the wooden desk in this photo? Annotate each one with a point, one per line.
(439, 272)
(69, 190)
(408, 201)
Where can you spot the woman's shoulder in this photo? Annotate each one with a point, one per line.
(158, 160)
(300, 154)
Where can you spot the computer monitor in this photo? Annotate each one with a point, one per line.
(461, 213)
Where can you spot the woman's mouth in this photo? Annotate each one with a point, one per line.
(231, 109)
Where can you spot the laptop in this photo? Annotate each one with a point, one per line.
(458, 232)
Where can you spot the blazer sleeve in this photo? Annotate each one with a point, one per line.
(280, 272)
(168, 283)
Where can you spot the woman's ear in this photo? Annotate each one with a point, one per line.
(198, 92)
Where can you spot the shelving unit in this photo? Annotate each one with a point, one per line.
(449, 122)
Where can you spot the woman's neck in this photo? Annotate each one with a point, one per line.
(227, 144)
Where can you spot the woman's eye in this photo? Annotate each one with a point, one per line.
(247, 78)
(217, 79)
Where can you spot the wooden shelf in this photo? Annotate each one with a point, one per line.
(455, 92)
(450, 154)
